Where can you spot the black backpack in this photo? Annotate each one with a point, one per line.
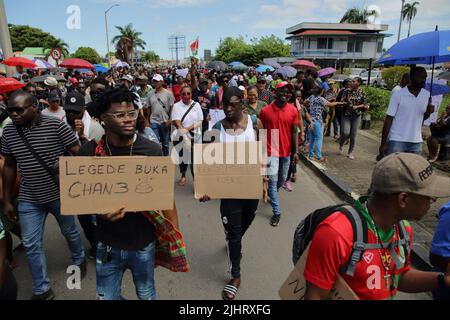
(305, 232)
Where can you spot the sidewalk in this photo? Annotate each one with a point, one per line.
(351, 178)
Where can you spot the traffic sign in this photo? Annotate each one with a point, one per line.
(56, 54)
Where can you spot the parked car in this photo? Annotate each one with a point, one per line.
(376, 79)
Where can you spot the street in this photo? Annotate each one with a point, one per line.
(266, 251)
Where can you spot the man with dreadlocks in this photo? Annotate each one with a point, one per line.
(125, 240)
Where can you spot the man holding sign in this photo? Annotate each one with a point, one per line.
(125, 240)
(237, 214)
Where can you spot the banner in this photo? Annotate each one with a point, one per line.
(194, 47)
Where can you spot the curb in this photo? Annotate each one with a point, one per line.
(419, 254)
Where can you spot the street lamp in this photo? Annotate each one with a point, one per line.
(107, 36)
(401, 19)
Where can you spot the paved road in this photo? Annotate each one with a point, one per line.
(266, 251)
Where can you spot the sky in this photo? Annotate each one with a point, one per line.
(210, 20)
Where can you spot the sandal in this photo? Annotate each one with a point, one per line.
(182, 182)
(230, 290)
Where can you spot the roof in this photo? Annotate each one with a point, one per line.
(324, 32)
(33, 51)
(337, 26)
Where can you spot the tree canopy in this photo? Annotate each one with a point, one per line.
(151, 56)
(237, 49)
(88, 54)
(25, 36)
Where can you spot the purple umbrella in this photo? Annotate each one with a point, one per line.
(274, 64)
(326, 72)
(287, 72)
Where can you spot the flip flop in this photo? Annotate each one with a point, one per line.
(231, 291)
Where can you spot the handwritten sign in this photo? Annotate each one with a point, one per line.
(228, 170)
(294, 288)
(216, 116)
(102, 185)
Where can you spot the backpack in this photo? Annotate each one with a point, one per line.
(305, 232)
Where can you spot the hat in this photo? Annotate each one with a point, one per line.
(127, 77)
(331, 81)
(51, 82)
(204, 81)
(242, 88)
(142, 77)
(284, 84)
(157, 77)
(406, 172)
(261, 78)
(74, 101)
(54, 96)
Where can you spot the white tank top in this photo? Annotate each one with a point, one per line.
(246, 136)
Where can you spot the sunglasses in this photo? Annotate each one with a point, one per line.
(17, 110)
(121, 116)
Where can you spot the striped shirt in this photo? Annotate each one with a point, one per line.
(50, 138)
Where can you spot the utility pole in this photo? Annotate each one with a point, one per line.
(5, 39)
(401, 19)
(107, 36)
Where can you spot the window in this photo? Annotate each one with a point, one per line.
(380, 46)
(351, 45)
(355, 45)
(325, 43)
(358, 45)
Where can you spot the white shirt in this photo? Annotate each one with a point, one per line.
(245, 136)
(194, 116)
(407, 111)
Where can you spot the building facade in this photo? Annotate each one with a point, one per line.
(337, 44)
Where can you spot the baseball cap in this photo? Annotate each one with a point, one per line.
(127, 77)
(74, 101)
(261, 79)
(157, 77)
(142, 77)
(204, 81)
(54, 96)
(284, 84)
(51, 82)
(407, 172)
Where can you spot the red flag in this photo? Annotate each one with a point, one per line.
(194, 47)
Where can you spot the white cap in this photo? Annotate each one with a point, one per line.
(158, 77)
(128, 78)
(242, 88)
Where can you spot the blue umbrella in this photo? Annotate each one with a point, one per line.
(235, 63)
(437, 88)
(263, 68)
(287, 72)
(423, 48)
(100, 68)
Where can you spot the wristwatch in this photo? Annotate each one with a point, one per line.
(441, 281)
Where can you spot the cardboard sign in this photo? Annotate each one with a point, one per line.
(106, 184)
(216, 116)
(228, 170)
(294, 288)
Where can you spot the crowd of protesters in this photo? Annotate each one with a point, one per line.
(140, 111)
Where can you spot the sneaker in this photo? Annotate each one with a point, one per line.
(288, 186)
(275, 220)
(49, 295)
(351, 156)
(83, 269)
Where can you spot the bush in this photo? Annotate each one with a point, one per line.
(378, 99)
(392, 76)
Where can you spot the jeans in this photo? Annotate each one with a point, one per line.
(237, 216)
(278, 170)
(337, 121)
(407, 147)
(349, 128)
(32, 218)
(163, 134)
(315, 145)
(110, 271)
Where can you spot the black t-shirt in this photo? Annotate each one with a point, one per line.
(134, 231)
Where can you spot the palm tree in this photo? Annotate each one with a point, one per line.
(355, 15)
(409, 13)
(57, 43)
(132, 35)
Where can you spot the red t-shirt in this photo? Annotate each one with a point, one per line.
(330, 249)
(274, 118)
